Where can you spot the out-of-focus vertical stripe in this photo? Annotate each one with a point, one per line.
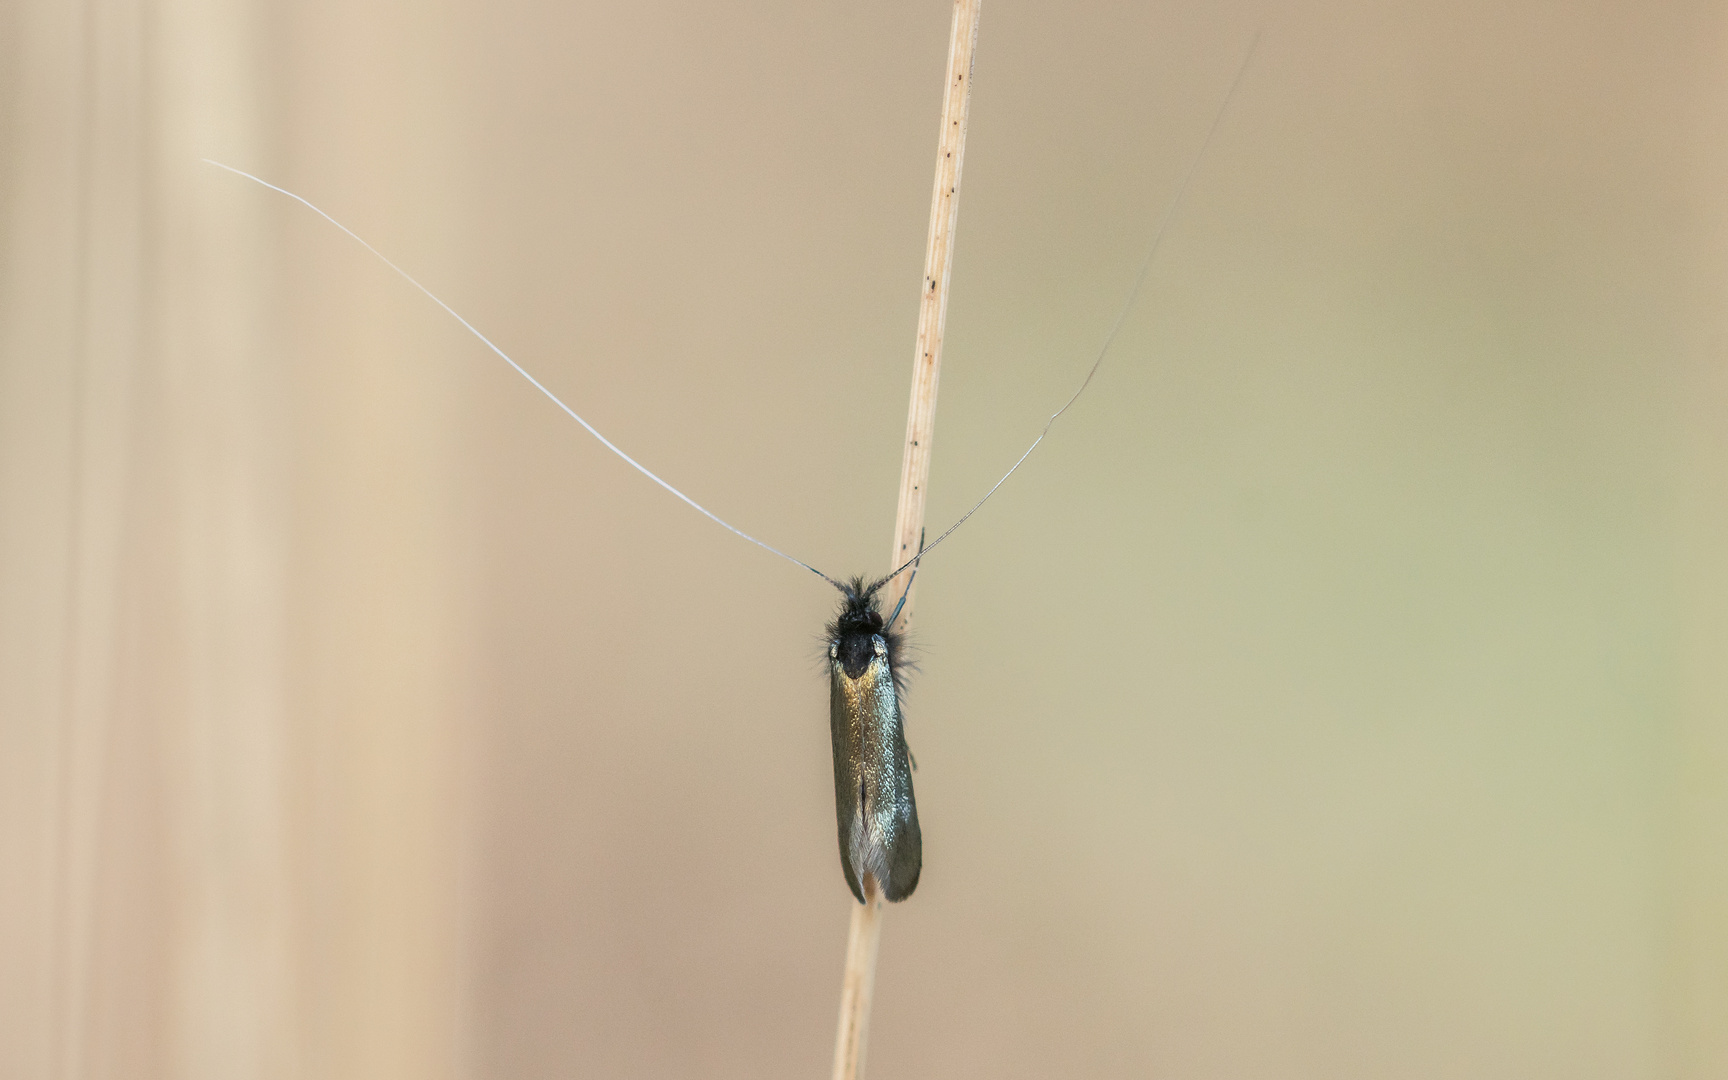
(229, 820)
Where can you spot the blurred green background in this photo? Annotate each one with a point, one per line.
(1340, 691)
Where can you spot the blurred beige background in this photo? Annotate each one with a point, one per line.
(1340, 692)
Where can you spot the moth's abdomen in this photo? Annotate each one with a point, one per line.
(873, 803)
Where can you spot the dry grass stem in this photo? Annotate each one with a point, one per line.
(933, 304)
(857, 984)
(866, 927)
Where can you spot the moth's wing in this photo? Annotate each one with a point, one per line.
(846, 778)
(906, 851)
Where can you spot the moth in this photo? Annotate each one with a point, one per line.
(875, 810)
(880, 841)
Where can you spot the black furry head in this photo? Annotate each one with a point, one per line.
(858, 620)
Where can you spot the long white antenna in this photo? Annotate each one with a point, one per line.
(522, 371)
(1122, 316)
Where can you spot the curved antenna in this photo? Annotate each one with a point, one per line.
(538, 385)
(1122, 316)
(907, 591)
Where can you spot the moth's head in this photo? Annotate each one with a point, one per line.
(851, 636)
(858, 612)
